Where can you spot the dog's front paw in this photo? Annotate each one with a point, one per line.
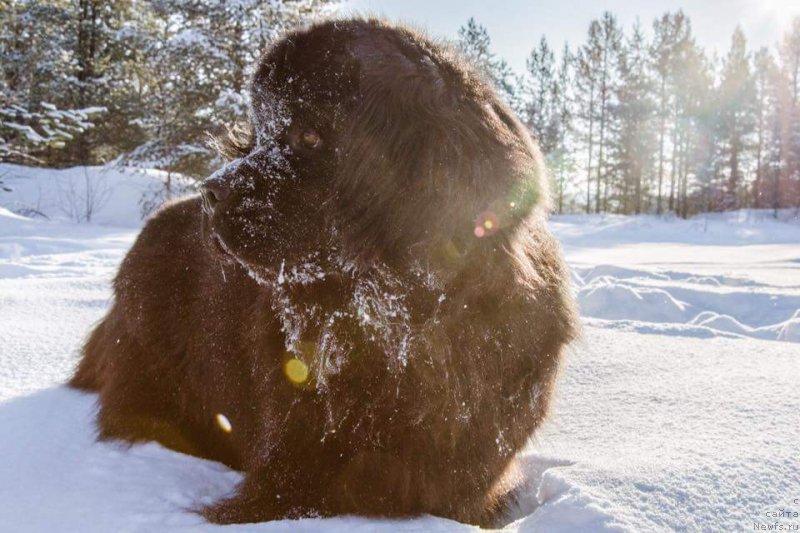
(241, 509)
(255, 502)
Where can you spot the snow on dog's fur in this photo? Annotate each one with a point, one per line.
(365, 312)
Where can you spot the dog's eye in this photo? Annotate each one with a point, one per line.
(311, 139)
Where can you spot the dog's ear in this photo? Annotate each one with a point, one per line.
(427, 130)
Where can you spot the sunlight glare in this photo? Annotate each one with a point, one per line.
(776, 14)
(296, 371)
(223, 423)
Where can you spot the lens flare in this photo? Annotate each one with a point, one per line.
(296, 371)
(487, 223)
(223, 423)
(522, 199)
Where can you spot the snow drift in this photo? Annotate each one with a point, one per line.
(674, 413)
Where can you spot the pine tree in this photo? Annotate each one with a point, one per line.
(561, 160)
(609, 44)
(588, 58)
(95, 69)
(670, 33)
(37, 116)
(735, 118)
(790, 66)
(474, 42)
(539, 94)
(633, 116)
(695, 134)
(764, 106)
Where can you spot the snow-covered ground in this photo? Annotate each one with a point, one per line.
(678, 410)
(728, 274)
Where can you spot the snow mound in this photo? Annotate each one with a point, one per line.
(660, 328)
(109, 196)
(790, 330)
(617, 272)
(678, 299)
(606, 298)
(727, 323)
(725, 274)
(549, 501)
(63, 479)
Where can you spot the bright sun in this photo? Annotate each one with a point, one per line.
(786, 8)
(775, 16)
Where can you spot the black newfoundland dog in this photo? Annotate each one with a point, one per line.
(365, 311)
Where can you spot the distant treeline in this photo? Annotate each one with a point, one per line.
(628, 122)
(647, 122)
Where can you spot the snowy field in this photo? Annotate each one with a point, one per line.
(678, 410)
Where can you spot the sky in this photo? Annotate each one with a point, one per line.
(515, 26)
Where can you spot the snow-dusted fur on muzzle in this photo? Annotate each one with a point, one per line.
(365, 311)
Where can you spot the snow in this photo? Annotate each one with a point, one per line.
(677, 411)
(57, 125)
(119, 196)
(733, 274)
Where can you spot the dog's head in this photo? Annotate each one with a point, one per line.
(371, 143)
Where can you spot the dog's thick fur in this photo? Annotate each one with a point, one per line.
(377, 308)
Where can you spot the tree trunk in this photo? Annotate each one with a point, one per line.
(591, 145)
(661, 134)
(733, 179)
(759, 167)
(602, 140)
(684, 179)
(676, 143)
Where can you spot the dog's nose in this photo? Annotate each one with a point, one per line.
(214, 191)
